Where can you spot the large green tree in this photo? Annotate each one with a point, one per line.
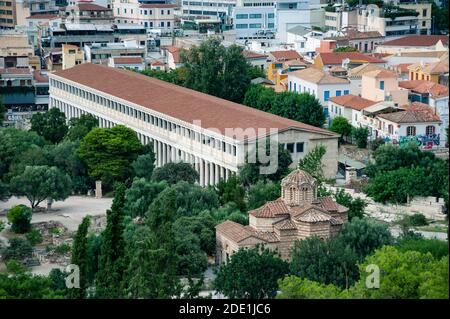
(214, 69)
(341, 126)
(109, 152)
(251, 274)
(293, 287)
(262, 192)
(140, 195)
(364, 235)
(325, 261)
(51, 125)
(38, 183)
(144, 166)
(302, 107)
(231, 191)
(259, 97)
(355, 206)
(79, 127)
(173, 173)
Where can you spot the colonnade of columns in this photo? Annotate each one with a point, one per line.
(210, 173)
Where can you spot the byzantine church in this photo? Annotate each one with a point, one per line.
(297, 214)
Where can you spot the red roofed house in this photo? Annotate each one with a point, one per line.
(348, 106)
(299, 213)
(157, 65)
(428, 71)
(328, 60)
(414, 43)
(127, 62)
(256, 59)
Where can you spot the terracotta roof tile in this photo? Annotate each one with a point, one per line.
(312, 214)
(417, 40)
(89, 7)
(285, 55)
(411, 116)
(271, 209)
(234, 231)
(360, 70)
(181, 103)
(423, 86)
(337, 57)
(253, 55)
(15, 71)
(431, 68)
(296, 176)
(128, 60)
(41, 16)
(285, 224)
(352, 101)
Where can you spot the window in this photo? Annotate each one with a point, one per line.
(430, 130)
(168, 11)
(168, 23)
(162, 12)
(326, 95)
(295, 87)
(290, 85)
(255, 25)
(290, 147)
(338, 93)
(411, 131)
(346, 92)
(300, 147)
(381, 85)
(424, 23)
(255, 16)
(424, 13)
(271, 25)
(423, 76)
(162, 24)
(241, 16)
(390, 129)
(271, 15)
(241, 26)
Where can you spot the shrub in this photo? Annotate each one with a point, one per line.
(18, 249)
(34, 237)
(62, 249)
(418, 220)
(20, 218)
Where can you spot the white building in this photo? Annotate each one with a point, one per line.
(149, 14)
(220, 10)
(305, 40)
(291, 13)
(101, 52)
(212, 134)
(318, 83)
(389, 25)
(127, 62)
(254, 19)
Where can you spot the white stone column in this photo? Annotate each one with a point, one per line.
(160, 154)
(216, 173)
(202, 172)
(211, 173)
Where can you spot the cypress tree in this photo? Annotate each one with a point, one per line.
(111, 259)
(79, 258)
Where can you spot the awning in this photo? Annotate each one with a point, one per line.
(348, 161)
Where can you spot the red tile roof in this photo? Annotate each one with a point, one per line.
(411, 116)
(337, 57)
(253, 55)
(40, 77)
(15, 71)
(417, 41)
(422, 86)
(181, 103)
(41, 16)
(402, 67)
(128, 60)
(352, 101)
(285, 55)
(156, 62)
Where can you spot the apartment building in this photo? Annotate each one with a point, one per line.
(254, 19)
(71, 56)
(422, 7)
(99, 53)
(151, 15)
(390, 23)
(7, 14)
(218, 10)
(212, 134)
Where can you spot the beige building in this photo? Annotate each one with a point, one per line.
(7, 14)
(415, 44)
(382, 85)
(15, 51)
(296, 215)
(212, 134)
(71, 56)
(423, 8)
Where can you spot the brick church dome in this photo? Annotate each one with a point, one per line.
(298, 177)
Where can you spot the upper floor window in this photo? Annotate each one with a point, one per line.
(381, 85)
(411, 131)
(326, 95)
(430, 130)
